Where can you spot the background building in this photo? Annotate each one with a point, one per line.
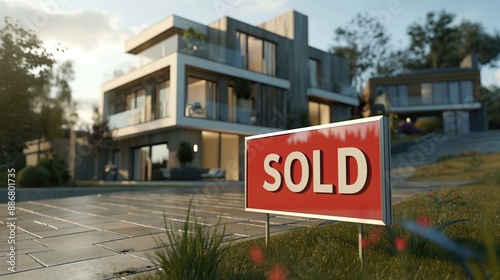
(213, 85)
(451, 95)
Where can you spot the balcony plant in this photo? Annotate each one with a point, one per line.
(194, 41)
(243, 88)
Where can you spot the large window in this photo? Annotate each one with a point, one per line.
(136, 99)
(319, 113)
(257, 55)
(162, 97)
(397, 94)
(314, 73)
(221, 150)
(148, 160)
(447, 92)
(201, 101)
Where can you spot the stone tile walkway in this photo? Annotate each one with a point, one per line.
(110, 236)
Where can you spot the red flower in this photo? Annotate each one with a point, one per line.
(278, 272)
(375, 235)
(365, 243)
(424, 221)
(257, 255)
(373, 238)
(400, 244)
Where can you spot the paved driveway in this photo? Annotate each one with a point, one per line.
(105, 236)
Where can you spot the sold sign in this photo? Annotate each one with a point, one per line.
(337, 171)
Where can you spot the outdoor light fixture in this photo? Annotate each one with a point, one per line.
(408, 120)
(195, 148)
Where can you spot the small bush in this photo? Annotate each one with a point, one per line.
(34, 177)
(192, 252)
(185, 153)
(3, 179)
(428, 125)
(58, 168)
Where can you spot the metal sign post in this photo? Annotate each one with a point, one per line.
(267, 228)
(360, 243)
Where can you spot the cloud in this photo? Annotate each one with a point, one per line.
(86, 30)
(272, 5)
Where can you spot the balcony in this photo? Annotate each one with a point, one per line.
(126, 118)
(430, 103)
(196, 48)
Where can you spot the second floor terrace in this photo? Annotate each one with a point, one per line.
(252, 54)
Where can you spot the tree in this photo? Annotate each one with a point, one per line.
(438, 43)
(194, 40)
(55, 107)
(365, 43)
(185, 153)
(492, 98)
(101, 137)
(24, 64)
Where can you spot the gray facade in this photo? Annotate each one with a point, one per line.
(241, 80)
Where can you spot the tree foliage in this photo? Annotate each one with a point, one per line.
(24, 64)
(365, 43)
(185, 153)
(492, 99)
(439, 42)
(54, 104)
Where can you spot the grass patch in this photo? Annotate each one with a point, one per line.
(190, 252)
(468, 165)
(330, 252)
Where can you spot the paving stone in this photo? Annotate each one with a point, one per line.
(103, 268)
(24, 246)
(133, 244)
(127, 229)
(63, 231)
(69, 255)
(23, 263)
(79, 239)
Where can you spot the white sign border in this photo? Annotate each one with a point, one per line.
(385, 178)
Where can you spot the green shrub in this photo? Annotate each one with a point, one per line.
(192, 252)
(33, 177)
(428, 125)
(185, 153)
(58, 168)
(3, 179)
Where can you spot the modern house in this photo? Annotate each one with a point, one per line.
(239, 80)
(450, 95)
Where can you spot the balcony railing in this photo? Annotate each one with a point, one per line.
(427, 100)
(241, 113)
(126, 118)
(199, 49)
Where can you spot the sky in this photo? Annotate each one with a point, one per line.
(94, 31)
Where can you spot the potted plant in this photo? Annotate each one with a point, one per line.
(243, 90)
(185, 154)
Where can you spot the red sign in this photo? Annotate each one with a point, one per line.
(337, 171)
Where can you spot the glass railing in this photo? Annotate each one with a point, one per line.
(428, 100)
(196, 48)
(126, 118)
(241, 113)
